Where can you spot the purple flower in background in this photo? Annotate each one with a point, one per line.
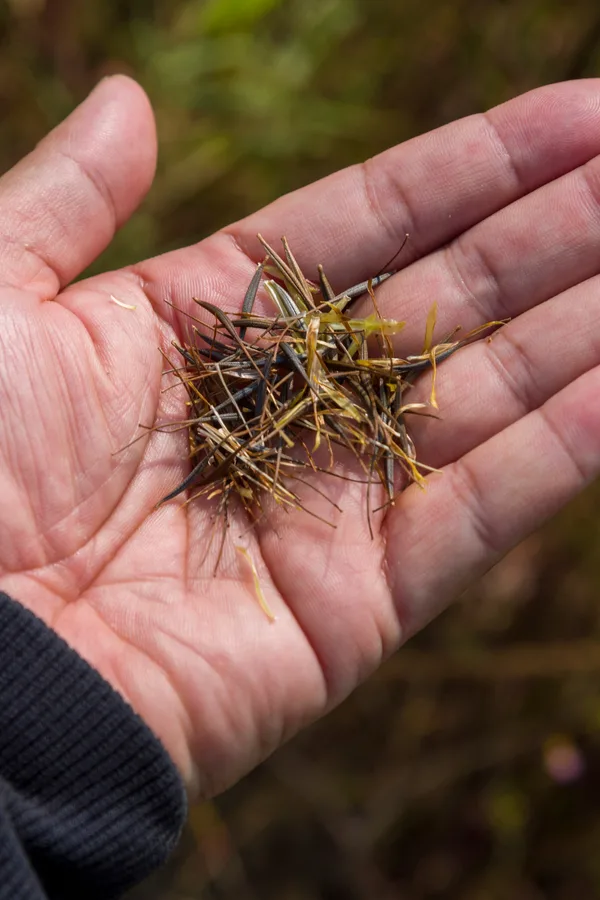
(563, 761)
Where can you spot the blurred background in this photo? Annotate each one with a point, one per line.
(469, 767)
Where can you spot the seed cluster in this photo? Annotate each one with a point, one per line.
(266, 392)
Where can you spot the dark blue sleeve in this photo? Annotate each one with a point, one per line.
(90, 802)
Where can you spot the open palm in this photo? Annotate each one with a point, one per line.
(503, 216)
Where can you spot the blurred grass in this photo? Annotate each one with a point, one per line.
(469, 767)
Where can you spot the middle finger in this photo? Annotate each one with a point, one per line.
(531, 250)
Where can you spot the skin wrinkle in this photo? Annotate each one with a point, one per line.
(593, 191)
(24, 222)
(237, 240)
(161, 670)
(105, 356)
(310, 642)
(384, 648)
(493, 307)
(151, 290)
(188, 549)
(469, 495)
(590, 333)
(496, 138)
(45, 267)
(334, 695)
(99, 373)
(72, 426)
(568, 449)
(47, 533)
(149, 287)
(394, 594)
(67, 390)
(214, 664)
(229, 237)
(8, 240)
(98, 184)
(64, 561)
(383, 568)
(134, 526)
(371, 191)
(23, 487)
(44, 584)
(161, 292)
(519, 383)
(49, 222)
(27, 499)
(131, 275)
(149, 580)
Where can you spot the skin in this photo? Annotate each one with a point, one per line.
(504, 220)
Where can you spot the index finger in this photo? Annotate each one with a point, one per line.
(432, 187)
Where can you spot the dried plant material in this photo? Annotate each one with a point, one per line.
(257, 585)
(121, 303)
(259, 386)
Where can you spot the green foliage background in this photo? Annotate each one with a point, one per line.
(443, 777)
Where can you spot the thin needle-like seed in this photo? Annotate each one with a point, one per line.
(250, 297)
(357, 290)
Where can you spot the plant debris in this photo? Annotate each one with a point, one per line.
(265, 393)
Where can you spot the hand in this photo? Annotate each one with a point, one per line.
(503, 216)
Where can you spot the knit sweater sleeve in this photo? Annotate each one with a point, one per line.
(90, 802)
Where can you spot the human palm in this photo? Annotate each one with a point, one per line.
(503, 216)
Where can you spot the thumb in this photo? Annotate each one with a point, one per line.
(61, 205)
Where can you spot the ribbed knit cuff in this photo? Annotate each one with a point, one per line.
(94, 798)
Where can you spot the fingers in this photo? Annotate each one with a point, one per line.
(540, 245)
(61, 205)
(491, 384)
(434, 186)
(494, 497)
